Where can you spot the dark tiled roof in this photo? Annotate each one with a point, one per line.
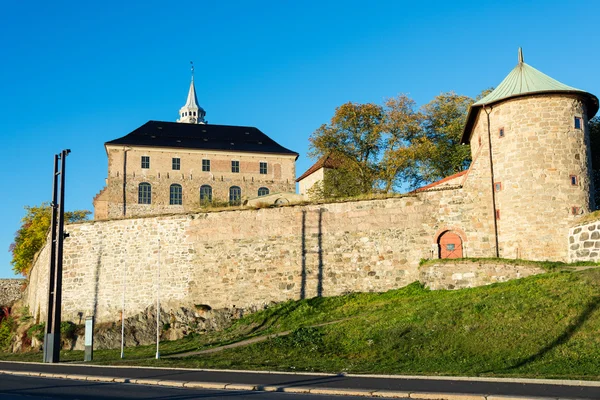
(202, 136)
(327, 161)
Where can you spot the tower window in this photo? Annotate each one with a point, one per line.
(574, 180)
(175, 197)
(145, 162)
(235, 166)
(144, 193)
(497, 214)
(263, 168)
(501, 132)
(498, 186)
(235, 195)
(578, 123)
(575, 210)
(263, 191)
(176, 164)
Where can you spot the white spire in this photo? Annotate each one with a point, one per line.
(191, 112)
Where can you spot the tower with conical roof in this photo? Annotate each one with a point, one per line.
(191, 112)
(530, 146)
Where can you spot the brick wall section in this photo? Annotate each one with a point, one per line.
(584, 242)
(467, 274)
(533, 161)
(10, 291)
(248, 258)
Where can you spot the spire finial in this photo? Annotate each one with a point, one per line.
(192, 63)
(520, 55)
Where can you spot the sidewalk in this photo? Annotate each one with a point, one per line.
(413, 387)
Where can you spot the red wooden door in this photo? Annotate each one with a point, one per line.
(450, 245)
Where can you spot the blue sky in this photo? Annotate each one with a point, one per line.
(75, 75)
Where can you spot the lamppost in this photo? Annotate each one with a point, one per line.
(53, 315)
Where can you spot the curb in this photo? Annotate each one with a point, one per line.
(285, 389)
(562, 382)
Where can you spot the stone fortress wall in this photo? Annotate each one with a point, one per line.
(249, 258)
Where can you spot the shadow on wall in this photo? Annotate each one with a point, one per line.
(97, 282)
(305, 236)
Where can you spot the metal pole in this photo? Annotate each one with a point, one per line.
(59, 260)
(158, 305)
(48, 339)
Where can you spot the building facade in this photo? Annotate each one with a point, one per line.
(165, 167)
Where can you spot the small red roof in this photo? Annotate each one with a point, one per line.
(446, 179)
(327, 161)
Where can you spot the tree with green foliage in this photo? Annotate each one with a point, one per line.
(443, 123)
(354, 138)
(386, 148)
(31, 236)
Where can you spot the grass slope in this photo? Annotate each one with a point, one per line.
(542, 326)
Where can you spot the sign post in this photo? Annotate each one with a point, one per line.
(89, 339)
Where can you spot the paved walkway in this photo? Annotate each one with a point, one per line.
(412, 387)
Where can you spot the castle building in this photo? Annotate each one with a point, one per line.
(522, 197)
(166, 167)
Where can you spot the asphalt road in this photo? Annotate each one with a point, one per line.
(436, 385)
(28, 388)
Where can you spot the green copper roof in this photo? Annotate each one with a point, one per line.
(525, 80)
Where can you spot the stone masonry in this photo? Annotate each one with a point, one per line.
(584, 241)
(467, 274)
(10, 291)
(533, 165)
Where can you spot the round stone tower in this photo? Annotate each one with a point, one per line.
(531, 140)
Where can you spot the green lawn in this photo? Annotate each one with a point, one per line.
(542, 326)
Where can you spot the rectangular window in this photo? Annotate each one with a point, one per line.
(501, 132)
(573, 179)
(176, 164)
(235, 166)
(575, 210)
(145, 162)
(578, 123)
(206, 165)
(263, 168)
(498, 186)
(497, 214)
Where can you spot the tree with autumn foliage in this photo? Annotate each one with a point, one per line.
(353, 138)
(394, 146)
(31, 236)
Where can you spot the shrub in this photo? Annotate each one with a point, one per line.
(6, 332)
(37, 331)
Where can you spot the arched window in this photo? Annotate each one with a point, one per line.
(263, 191)
(235, 195)
(144, 193)
(205, 194)
(175, 197)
